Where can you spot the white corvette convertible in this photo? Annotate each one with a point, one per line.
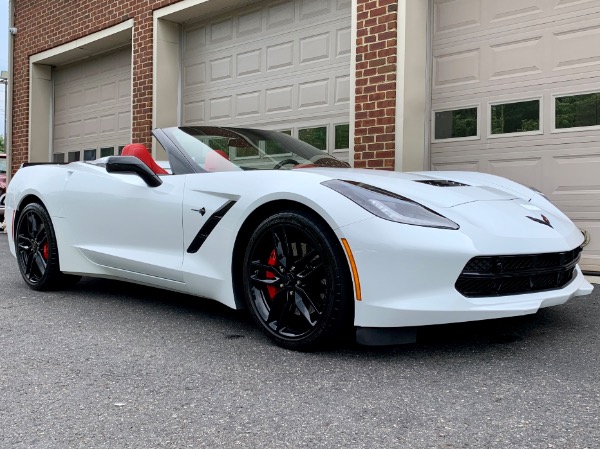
(314, 249)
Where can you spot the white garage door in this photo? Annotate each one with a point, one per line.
(92, 107)
(275, 65)
(516, 92)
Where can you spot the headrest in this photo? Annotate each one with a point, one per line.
(141, 152)
(217, 160)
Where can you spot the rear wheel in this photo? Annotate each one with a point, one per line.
(295, 282)
(37, 251)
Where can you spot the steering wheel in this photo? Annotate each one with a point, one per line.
(285, 162)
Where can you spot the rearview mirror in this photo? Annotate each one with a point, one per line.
(131, 164)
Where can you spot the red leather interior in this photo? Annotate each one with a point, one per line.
(141, 152)
(222, 153)
(217, 160)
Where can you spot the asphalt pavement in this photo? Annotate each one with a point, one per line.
(113, 365)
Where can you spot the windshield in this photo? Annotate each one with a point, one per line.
(216, 149)
(2, 165)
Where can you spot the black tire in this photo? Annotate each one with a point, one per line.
(37, 251)
(295, 282)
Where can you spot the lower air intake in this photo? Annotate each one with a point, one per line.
(514, 275)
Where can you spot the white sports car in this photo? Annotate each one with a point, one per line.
(314, 249)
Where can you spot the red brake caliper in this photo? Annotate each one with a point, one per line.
(45, 251)
(272, 290)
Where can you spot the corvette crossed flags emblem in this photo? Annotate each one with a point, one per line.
(544, 220)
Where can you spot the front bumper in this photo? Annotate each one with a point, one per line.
(408, 273)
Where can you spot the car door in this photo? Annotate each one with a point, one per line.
(118, 221)
(207, 240)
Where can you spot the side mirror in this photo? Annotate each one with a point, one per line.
(131, 164)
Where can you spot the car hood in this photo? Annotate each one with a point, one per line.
(434, 188)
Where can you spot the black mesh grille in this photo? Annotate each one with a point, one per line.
(442, 183)
(513, 275)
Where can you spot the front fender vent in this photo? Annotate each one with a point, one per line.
(208, 227)
(443, 183)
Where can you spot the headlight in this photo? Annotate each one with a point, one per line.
(389, 206)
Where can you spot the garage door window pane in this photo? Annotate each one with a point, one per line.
(89, 155)
(59, 157)
(456, 123)
(342, 136)
(317, 137)
(107, 151)
(578, 110)
(234, 148)
(74, 156)
(518, 117)
(273, 148)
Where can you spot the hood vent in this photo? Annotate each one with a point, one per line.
(443, 183)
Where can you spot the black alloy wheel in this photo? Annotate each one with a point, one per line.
(296, 283)
(37, 251)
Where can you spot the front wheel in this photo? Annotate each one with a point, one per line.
(295, 282)
(37, 251)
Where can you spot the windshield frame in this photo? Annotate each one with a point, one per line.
(183, 163)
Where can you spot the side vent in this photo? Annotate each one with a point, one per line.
(443, 183)
(208, 227)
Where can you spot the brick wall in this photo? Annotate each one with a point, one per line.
(45, 24)
(375, 84)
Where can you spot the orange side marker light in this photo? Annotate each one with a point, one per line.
(354, 270)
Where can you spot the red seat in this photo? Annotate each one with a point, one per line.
(141, 152)
(217, 160)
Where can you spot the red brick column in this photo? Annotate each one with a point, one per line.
(375, 105)
(141, 114)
